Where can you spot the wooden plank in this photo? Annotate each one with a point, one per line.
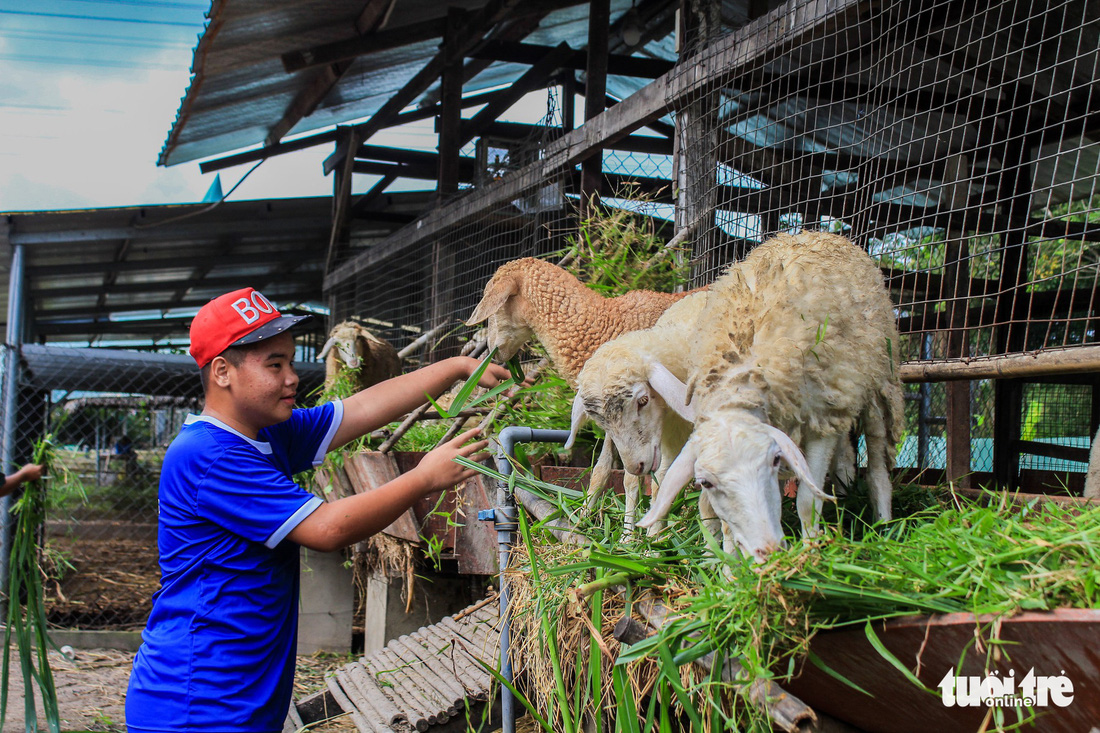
(530, 53)
(1076, 360)
(445, 683)
(368, 471)
(1051, 450)
(476, 541)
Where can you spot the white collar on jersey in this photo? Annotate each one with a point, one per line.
(264, 448)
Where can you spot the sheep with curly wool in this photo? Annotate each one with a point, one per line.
(794, 345)
(351, 346)
(530, 297)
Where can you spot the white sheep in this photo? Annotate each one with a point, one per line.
(530, 297)
(1092, 478)
(351, 346)
(615, 390)
(795, 344)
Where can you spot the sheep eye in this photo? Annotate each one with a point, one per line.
(704, 484)
(775, 461)
(643, 400)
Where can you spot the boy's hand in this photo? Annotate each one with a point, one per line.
(438, 467)
(494, 374)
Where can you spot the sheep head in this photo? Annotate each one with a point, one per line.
(501, 305)
(735, 461)
(348, 344)
(625, 394)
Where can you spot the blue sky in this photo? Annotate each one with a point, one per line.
(88, 93)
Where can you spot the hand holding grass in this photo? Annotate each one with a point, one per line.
(438, 467)
(29, 472)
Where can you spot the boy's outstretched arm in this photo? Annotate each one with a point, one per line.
(386, 401)
(355, 518)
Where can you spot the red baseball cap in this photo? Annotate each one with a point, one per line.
(242, 317)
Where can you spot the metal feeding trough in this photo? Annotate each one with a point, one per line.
(1053, 647)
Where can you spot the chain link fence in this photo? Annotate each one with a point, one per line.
(110, 416)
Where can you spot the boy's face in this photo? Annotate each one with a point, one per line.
(264, 385)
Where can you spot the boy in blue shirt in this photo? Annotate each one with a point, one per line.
(219, 646)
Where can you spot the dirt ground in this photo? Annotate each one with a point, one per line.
(91, 690)
(106, 580)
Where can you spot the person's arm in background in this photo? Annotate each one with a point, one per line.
(386, 401)
(29, 472)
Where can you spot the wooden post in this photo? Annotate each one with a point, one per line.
(450, 131)
(697, 146)
(595, 96)
(341, 195)
(956, 280)
(450, 112)
(568, 100)
(1014, 188)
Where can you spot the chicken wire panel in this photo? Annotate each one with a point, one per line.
(923, 444)
(953, 141)
(99, 549)
(438, 282)
(1057, 414)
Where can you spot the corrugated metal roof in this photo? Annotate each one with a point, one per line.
(138, 273)
(239, 89)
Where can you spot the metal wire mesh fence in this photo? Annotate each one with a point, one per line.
(954, 141)
(110, 415)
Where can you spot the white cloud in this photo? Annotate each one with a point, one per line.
(89, 137)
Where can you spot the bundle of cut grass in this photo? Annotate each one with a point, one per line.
(26, 610)
(952, 555)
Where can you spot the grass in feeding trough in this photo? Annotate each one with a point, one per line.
(26, 620)
(947, 554)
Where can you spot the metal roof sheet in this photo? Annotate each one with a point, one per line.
(239, 89)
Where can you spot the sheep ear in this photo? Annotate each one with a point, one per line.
(576, 421)
(797, 461)
(326, 348)
(497, 293)
(671, 389)
(676, 478)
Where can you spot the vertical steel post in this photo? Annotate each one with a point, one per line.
(11, 403)
(506, 519)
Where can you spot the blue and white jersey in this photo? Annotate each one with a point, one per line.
(219, 646)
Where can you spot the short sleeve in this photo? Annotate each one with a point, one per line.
(305, 438)
(248, 496)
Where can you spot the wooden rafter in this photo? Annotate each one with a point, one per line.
(529, 53)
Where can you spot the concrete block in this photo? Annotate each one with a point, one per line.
(327, 603)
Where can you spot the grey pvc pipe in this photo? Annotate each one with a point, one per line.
(506, 537)
(11, 403)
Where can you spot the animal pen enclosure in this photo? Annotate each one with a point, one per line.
(954, 141)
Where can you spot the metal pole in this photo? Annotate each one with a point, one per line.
(11, 401)
(506, 520)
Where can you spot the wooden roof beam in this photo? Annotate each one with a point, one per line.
(373, 15)
(466, 37)
(415, 33)
(529, 53)
(152, 286)
(536, 77)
